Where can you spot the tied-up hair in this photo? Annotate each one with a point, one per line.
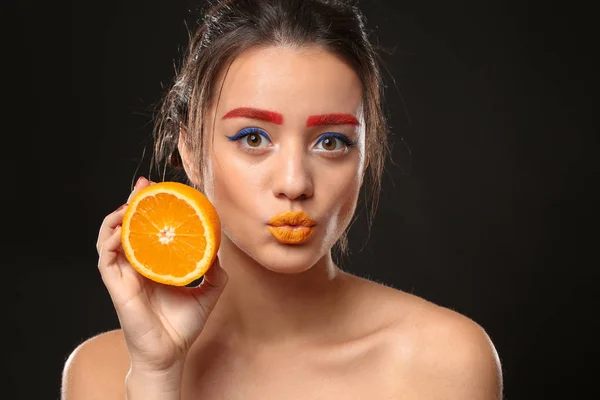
(229, 27)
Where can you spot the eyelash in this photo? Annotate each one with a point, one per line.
(347, 141)
(249, 131)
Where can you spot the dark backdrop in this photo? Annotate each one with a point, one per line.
(483, 210)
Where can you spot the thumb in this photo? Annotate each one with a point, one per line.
(209, 290)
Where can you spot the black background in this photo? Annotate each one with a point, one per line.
(485, 210)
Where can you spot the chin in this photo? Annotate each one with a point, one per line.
(282, 258)
(289, 259)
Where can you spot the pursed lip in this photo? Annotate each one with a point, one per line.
(292, 218)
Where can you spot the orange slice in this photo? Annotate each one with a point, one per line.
(171, 233)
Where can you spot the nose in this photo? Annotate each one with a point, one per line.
(292, 175)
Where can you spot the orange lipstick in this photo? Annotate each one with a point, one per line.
(291, 227)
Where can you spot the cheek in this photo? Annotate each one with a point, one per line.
(228, 184)
(341, 189)
(234, 191)
(350, 197)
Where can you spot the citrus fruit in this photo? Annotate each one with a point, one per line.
(170, 233)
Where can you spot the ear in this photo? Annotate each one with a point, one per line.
(186, 158)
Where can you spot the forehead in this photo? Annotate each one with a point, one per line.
(295, 82)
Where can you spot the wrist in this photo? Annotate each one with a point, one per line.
(151, 385)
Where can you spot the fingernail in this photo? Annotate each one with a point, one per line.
(122, 207)
(138, 182)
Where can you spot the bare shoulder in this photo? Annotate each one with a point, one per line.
(458, 353)
(97, 367)
(443, 353)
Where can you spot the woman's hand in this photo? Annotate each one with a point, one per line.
(160, 322)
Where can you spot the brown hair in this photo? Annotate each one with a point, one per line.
(229, 27)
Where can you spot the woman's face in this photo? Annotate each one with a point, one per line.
(288, 135)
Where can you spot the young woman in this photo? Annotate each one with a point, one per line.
(277, 110)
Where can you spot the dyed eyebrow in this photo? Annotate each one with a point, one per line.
(331, 119)
(255, 113)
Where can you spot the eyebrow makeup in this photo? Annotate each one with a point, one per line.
(255, 113)
(277, 118)
(331, 119)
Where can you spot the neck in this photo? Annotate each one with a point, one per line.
(268, 307)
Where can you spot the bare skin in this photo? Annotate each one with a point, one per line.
(393, 345)
(279, 321)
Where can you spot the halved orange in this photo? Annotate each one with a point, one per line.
(171, 233)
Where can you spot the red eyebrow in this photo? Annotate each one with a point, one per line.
(331, 119)
(255, 113)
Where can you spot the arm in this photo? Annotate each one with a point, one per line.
(166, 386)
(144, 360)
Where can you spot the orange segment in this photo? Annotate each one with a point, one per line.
(171, 233)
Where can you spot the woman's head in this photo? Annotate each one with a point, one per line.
(299, 60)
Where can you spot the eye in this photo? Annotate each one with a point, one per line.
(333, 141)
(251, 138)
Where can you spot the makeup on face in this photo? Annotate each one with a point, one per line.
(291, 227)
(255, 113)
(277, 118)
(255, 138)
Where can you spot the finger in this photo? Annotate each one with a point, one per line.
(107, 260)
(216, 276)
(116, 217)
(141, 183)
(208, 292)
(110, 222)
